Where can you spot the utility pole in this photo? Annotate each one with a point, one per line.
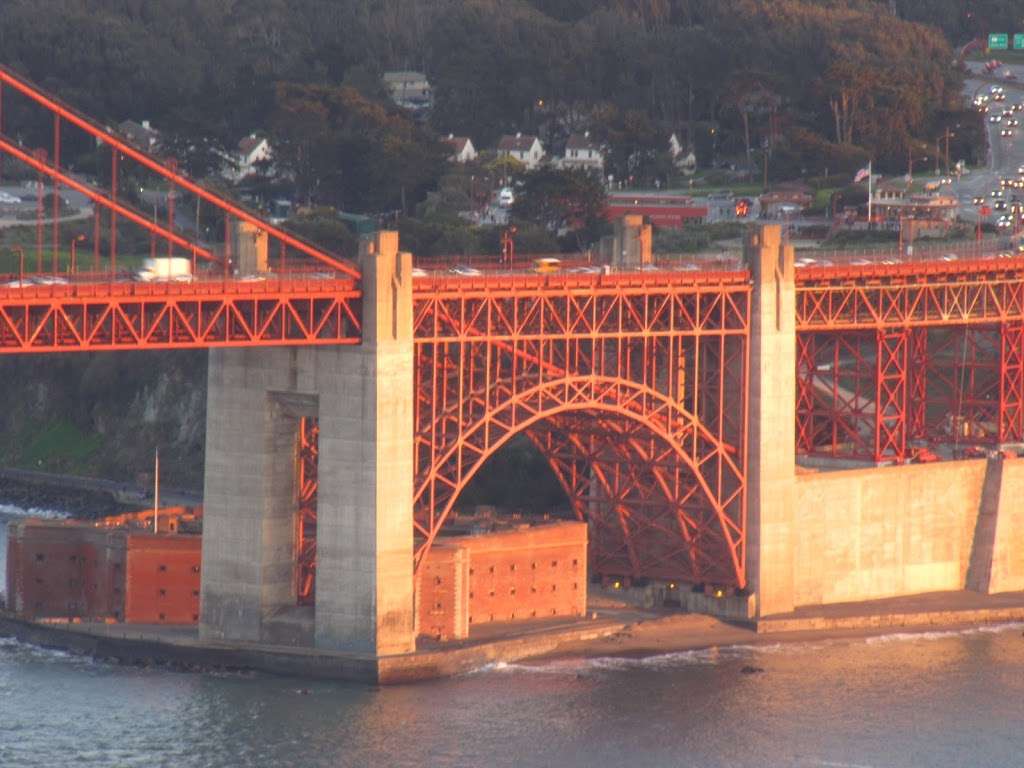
(947, 150)
(764, 147)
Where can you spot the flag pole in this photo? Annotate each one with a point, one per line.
(870, 195)
(156, 492)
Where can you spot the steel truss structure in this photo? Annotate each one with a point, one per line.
(48, 303)
(107, 316)
(633, 389)
(307, 453)
(892, 356)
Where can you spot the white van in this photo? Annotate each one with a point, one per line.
(165, 268)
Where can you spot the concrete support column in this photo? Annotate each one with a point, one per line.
(250, 248)
(363, 398)
(249, 496)
(772, 463)
(364, 583)
(629, 244)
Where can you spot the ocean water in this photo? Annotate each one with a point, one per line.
(946, 698)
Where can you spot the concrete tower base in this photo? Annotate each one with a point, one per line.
(363, 399)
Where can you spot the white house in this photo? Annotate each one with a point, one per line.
(682, 158)
(584, 153)
(141, 135)
(462, 148)
(410, 90)
(251, 151)
(526, 149)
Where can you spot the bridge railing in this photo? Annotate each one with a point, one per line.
(916, 252)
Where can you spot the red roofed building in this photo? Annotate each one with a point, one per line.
(664, 209)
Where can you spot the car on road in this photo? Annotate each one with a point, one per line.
(978, 200)
(996, 193)
(1000, 205)
(1004, 222)
(464, 271)
(995, 118)
(1006, 133)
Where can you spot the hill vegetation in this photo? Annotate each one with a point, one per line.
(823, 83)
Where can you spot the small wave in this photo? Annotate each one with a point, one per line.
(583, 665)
(10, 510)
(37, 652)
(713, 655)
(941, 634)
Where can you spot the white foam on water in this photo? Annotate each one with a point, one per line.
(28, 650)
(10, 510)
(942, 634)
(580, 666)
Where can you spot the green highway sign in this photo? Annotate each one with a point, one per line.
(1018, 42)
(998, 41)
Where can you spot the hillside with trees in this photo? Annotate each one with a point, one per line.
(823, 81)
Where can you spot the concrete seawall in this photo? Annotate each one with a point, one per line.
(866, 534)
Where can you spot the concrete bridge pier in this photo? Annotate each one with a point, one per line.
(772, 462)
(363, 399)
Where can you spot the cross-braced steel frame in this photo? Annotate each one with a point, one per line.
(633, 388)
(307, 456)
(91, 301)
(890, 355)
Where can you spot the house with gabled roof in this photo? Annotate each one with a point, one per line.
(584, 153)
(526, 149)
(462, 148)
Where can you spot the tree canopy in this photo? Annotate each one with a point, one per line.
(728, 76)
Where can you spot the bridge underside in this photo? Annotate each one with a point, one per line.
(634, 394)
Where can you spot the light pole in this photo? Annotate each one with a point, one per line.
(75, 241)
(21, 263)
(910, 163)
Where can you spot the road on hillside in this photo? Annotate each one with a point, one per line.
(1005, 154)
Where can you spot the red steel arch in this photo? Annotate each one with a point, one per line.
(632, 384)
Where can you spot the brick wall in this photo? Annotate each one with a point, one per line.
(529, 573)
(67, 570)
(61, 570)
(162, 579)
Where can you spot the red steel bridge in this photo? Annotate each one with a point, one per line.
(632, 384)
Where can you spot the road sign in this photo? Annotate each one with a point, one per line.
(1018, 42)
(985, 211)
(998, 41)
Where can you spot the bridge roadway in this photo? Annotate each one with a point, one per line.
(971, 283)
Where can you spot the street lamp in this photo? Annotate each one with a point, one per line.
(74, 242)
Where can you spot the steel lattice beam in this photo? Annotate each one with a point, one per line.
(178, 315)
(651, 362)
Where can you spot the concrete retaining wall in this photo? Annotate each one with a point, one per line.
(872, 533)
